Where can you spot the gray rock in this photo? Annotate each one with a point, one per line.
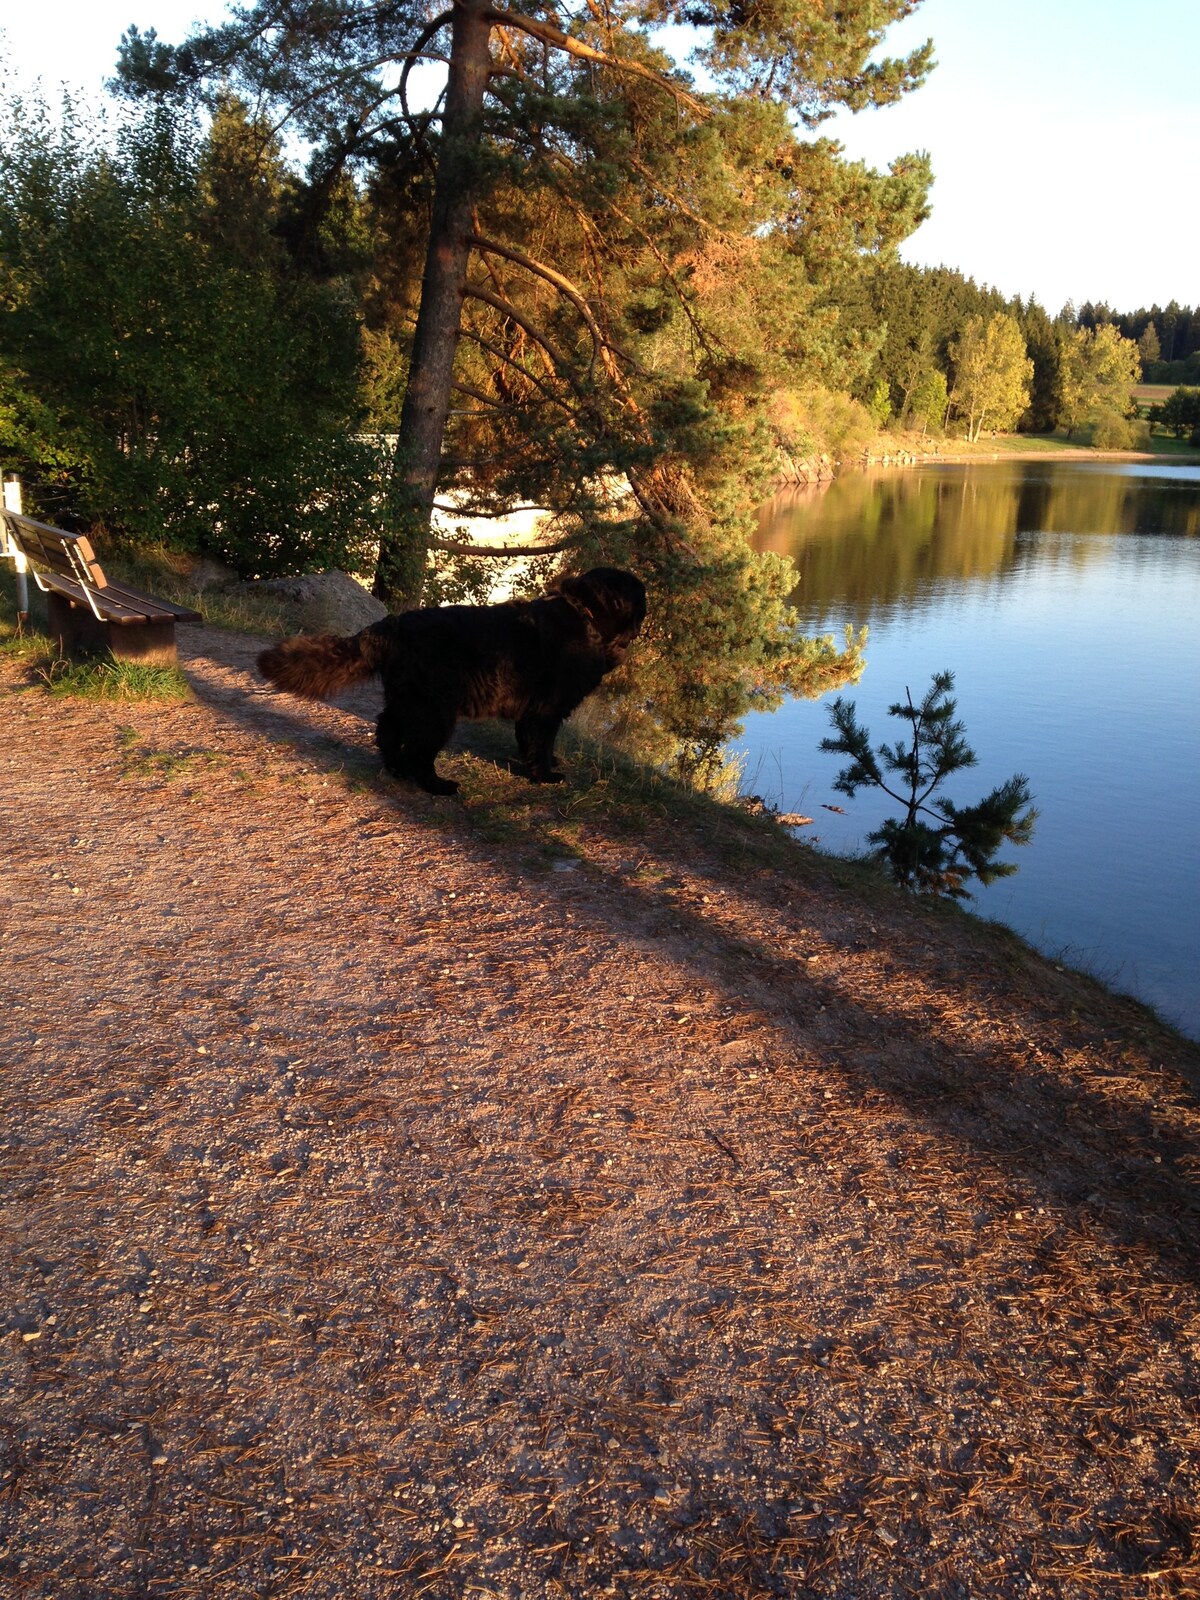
(328, 602)
(207, 574)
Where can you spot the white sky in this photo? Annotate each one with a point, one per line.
(1065, 134)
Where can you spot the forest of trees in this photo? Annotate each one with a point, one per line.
(1167, 337)
(577, 281)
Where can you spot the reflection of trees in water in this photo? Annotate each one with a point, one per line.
(868, 540)
(871, 539)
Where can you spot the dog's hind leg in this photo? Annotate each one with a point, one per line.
(536, 733)
(409, 743)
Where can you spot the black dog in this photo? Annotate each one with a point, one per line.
(531, 660)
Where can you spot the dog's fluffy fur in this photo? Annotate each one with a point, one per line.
(530, 660)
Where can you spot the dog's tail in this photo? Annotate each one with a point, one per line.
(322, 664)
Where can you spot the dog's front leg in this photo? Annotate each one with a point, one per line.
(536, 733)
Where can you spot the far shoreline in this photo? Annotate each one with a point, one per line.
(883, 454)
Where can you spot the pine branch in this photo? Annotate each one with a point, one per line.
(572, 46)
(550, 275)
(476, 291)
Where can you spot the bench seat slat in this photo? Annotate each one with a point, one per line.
(126, 593)
(125, 607)
(112, 609)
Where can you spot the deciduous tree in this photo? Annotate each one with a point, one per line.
(992, 373)
(1099, 370)
(170, 372)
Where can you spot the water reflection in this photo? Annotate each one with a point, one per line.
(868, 541)
(1066, 599)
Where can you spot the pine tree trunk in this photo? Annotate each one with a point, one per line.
(404, 542)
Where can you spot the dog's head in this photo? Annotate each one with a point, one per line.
(614, 602)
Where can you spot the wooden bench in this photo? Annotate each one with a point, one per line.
(89, 612)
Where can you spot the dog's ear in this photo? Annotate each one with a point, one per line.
(614, 600)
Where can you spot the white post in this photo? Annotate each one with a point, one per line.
(12, 502)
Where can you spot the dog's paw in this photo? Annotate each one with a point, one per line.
(547, 775)
(431, 781)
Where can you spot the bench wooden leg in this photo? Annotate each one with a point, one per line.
(79, 633)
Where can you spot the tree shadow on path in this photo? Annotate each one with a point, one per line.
(1029, 1090)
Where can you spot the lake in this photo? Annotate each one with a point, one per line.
(1065, 598)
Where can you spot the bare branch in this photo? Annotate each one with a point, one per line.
(417, 53)
(517, 70)
(489, 401)
(669, 194)
(685, 305)
(500, 552)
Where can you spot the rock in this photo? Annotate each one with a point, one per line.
(208, 574)
(329, 602)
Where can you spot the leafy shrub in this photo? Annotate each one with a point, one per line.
(1106, 429)
(167, 369)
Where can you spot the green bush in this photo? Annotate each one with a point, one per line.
(167, 370)
(819, 421)
(1105, 429)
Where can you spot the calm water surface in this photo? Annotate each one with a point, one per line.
(1065, 598)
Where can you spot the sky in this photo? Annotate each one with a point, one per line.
(1064, 134)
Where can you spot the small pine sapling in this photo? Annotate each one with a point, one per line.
(937, 845)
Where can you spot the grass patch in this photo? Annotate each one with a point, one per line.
(165, 573)
(1030, 444)
(107, 679)
(606, 792)
(31, 646)
(139, 760)
(100, 678)
(1182, 450)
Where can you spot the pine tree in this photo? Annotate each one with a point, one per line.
(935, 847)
(570, 125)
(595, 278)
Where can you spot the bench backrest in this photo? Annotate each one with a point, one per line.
(69, 554)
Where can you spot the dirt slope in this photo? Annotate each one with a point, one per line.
(391, 1212)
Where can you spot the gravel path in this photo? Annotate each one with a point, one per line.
(398, 1200)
